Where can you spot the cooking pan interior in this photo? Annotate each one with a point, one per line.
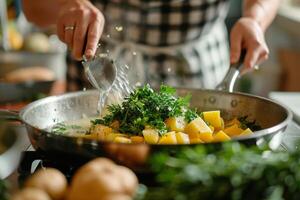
(73, 106)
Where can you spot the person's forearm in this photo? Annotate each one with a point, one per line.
(43, 12)
(262, 11)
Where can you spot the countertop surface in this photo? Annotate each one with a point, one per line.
(290, 100)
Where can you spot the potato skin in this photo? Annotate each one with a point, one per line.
(31, 194)
(50, 180)
(34, 73)
(102, 179)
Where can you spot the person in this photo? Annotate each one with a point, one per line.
(176, 42)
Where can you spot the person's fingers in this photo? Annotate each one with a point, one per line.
(60, 30)
(235, 46)
(252, 55)
(264, 55)
(255, 55)
(69, 34)
(79, 38)
(94, 32)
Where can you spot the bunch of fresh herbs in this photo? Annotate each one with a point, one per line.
(145, 107)
(226, 171)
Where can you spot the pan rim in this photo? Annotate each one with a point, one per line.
(258, 134)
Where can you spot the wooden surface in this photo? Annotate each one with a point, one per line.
(290, 63)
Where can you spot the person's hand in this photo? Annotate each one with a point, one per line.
(80, 26)
(247, 34)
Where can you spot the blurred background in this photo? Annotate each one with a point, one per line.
(33, 60)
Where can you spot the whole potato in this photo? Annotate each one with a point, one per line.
(31, 194)
(102, 179)
(34, 73)
(37, 42)
(51, 180)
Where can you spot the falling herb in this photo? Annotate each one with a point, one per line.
(145, 107)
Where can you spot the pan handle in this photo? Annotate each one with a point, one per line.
(233, 72)
(10, 115)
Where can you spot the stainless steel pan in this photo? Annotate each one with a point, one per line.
(46, 112)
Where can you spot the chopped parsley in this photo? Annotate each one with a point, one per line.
(64, 129)
(246, 123)
(145, 107)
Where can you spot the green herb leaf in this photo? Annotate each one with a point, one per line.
(145, 107)
(245, 123)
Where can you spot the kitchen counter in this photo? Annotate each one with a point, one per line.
(290, 100)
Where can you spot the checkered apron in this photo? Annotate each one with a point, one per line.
(182, 43)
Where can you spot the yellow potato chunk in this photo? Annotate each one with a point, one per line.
(233, 130)
(137, 139)
(222, 126)
(120, 139)
(89, 136)
(206, 137)
(182, 138)
(111, 137)
(213, 118)
(196, 141)
(151, 136)
(220, 137)
(211, 128)
(115, 125)
(195, 127)
(232, 122)
(246, 132)
(168, 138)
(101, 131)
(175, 123)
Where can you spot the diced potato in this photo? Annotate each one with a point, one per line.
(120, 139)
(220, 137)
(151, 136)
(182, 138)
(115, 125)
(168, 138)
(222, 124)
(175, 123)
(232, 122)
(89, 136)
(137, 139)
(101, 131)
(196, 141)
(111, 137)
(246, 132)
(213, 118)
(206, 137)
(195, 127)
(211, 128)
(233, 130)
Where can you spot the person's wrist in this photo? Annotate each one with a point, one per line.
(256, 13)
(254, 22)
